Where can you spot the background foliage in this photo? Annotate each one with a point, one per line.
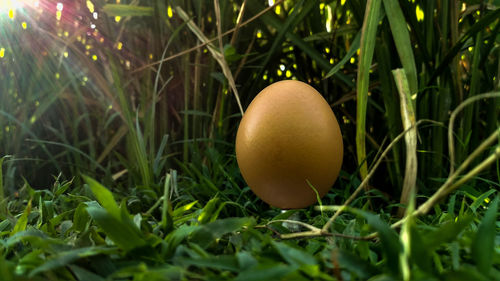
(144, 97)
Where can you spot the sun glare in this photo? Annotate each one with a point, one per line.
(10, 6)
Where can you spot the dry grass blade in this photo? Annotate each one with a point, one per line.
(408, 117)
(203, 44)
(217, 54)
(113, 143)
(238, 22)
(222, 60)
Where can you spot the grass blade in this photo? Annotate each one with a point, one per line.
(297, 15)
(121, 231)
(401, 36)
(103, 196)
(120, 10)
(391, 243)
(477, 27)
(2, 193)
(22, 222)
(273, 21)
(483, 246)
(368, 34)
(350, 53)
(409, 119)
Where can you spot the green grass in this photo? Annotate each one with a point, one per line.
(117, 143)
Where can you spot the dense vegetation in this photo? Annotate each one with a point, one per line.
(117, 127)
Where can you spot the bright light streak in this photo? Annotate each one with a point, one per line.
(12, 5)
(8, 5)
(59, 6)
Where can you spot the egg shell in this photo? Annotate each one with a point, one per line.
(289, 140)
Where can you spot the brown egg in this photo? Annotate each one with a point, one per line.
(288, 138)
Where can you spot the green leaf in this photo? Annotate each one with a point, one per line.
(420, 255)
(166, 212)
(84, 275)
(208, 211)
(292, 255)
(266, 271)
(62, 188)
(213, 230)
(246, 260)
(22, 222)
(80, 217)
(391, 245)
(6, 269)
(481, 200)
(35, 237)
(67, 257)
(103, 196)
(483, 245)
(466, 273)
(178, 235)
(125, 234)
(354, 264)
(121, 10)
(446, 233)
(383, 277)
(222, 262)
(184, 208)
(4, 224)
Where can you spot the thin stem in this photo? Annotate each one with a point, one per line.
(211, 40)
(306, 225)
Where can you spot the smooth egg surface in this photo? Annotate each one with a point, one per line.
(288, 143)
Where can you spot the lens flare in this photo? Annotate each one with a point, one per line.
(12, 5)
